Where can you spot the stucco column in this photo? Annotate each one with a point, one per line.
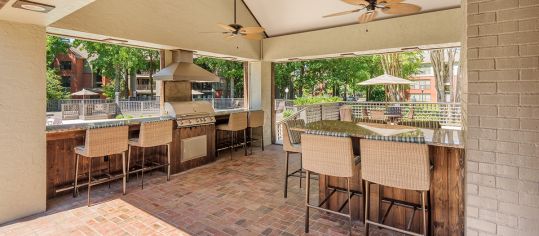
(260, 93)
(165, 60)
(22, 120)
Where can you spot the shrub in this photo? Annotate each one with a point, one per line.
(287, 113)
(119, 116)
(315, 100)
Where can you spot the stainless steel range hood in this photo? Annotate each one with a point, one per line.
(183, 69)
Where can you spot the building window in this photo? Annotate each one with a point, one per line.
(421, 84)
(98, 80)
(66, 81)
(87, 68)
(65, 65)
(420, 97)
(426, 70)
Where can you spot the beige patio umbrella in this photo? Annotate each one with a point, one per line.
(388, 81)
(84, 93)
(195, 92)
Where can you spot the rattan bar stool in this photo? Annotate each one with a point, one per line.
(256, 120)
(292, 145)
(152, 134)
(398, 165)
(329, 156)
(101, 142)
(236, 122)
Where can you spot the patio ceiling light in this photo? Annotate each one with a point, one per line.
(33, 6)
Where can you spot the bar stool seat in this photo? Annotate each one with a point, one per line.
(328, 155)
(398, 165)
(256, 120)
(101, 142)
(152, 134)
(236, 122)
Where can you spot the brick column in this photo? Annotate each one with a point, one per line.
(502, 167)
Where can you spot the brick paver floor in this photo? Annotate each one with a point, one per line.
(243, 196)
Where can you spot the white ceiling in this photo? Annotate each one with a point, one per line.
(62, 9)
(281, 17)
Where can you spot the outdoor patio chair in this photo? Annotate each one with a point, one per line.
(398, 165)
(256, 120)
(101, 142)
(152, 134)
(292, 145)
(330, 156)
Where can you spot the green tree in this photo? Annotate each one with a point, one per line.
(231, 71)
(116, 62)
(55, 91)
(56, 46)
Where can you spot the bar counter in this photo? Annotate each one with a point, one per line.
(446, 151)
(62, 139)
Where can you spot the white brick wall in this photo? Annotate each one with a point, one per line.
(502, 163)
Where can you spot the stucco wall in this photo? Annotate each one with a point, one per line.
(22, 120)
(260, 93)
(434, 28)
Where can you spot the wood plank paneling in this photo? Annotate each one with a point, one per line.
(446, 195)
(61, 160)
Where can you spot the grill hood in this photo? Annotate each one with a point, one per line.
(183, 69)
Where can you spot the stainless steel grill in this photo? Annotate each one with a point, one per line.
(191, 113)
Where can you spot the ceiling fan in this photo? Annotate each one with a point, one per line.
(235, 30)
(394, 7)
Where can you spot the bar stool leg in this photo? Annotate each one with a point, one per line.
(231, 143)
(89, 177)
(76, 186)
(142, 170)
(124, 178)
(308, 187)
(262, 137)
(300, 170)
(245, 141)
(424, 213)
(367, 189)
(168, 162)
(286, 175)
(128, 160)
(349, 204)
(108, 160)
(251, 139)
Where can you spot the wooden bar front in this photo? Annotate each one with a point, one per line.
(446, 194)
(61, 160)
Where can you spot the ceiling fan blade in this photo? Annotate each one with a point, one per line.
(253, 36)
(213, 32)
(367, 17)
(227, 27)
(357, 2)
(342, 13)
(401, 8)
(389, 1)
(252, 30)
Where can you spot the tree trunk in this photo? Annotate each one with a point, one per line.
(443, 61)
(392, 65)
(151, 75)
(126, 85)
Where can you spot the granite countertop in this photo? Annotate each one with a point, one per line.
(84, 126)
(228, 112)
(435, 137)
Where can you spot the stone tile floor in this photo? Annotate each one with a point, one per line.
(243, 196)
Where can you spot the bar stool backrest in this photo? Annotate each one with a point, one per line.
(327, 155)
(155, 133)
(396, 164)
(256, 119)
(237, 121)
(106, 141)
(288, 144)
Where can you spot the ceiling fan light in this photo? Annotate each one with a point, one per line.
(33, 6)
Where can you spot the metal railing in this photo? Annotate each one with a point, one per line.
(448, 114)
(139, 106)
(224, 103)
